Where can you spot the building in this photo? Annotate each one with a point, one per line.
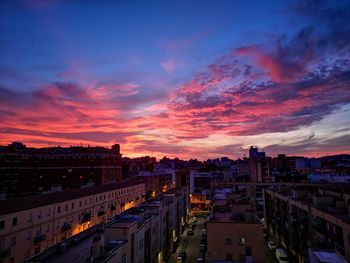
(243, 170)
(260, 166)
(26, 171)
(182, 178)
(151, 229)
(32, 224)
(146, 233)
(309, 217)
(201, 182)
(155, 182)
(234, 232)
(199, 202)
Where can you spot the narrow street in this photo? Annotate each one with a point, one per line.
(190, 244)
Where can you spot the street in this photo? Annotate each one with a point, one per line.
(190, 244)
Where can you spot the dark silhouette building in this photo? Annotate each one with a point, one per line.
(25, 171)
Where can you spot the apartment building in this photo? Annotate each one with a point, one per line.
(30, 225)
(147, 233)
(155, 182)
(234, 233)
(27, 171)
(151, 229)
(309, 217)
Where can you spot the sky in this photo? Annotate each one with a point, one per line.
(188, 79)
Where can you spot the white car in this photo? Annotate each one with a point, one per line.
(281, 255)
(272, 244)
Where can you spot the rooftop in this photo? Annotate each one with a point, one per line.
(327, 256)
(329, 200)
(29, 202)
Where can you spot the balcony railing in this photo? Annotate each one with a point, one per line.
(86, 218)
(38, 239)
(66, 227)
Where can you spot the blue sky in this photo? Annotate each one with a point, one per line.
(176, 78)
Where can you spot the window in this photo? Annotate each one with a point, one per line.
(39, 215)
(85, 201)
(242, 241)
(66, 207)
(2, 224)
(30, 217)
(79, 203)
(14, 221)
(13, 241)
(48, 229)
(72, 205)
(228, 240)
(124, 258)
(59, 209)
(49, 212)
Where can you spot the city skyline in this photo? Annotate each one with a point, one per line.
(185, 80)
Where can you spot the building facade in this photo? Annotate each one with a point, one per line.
(27, 171)
(152, 229)
(234, 233)
(29, 225)
(155, 182)
(317, 218)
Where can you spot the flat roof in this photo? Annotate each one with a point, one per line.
(75, 253)
(30, 202)
(328, 256)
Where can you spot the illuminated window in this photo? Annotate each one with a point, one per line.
(242, 241)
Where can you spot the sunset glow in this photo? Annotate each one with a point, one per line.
(182, 79)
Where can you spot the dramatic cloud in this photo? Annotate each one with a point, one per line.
(190, 95)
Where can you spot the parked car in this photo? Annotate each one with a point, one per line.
(204, 233)
(281, 255)
(202, 248)
(179, 259)
(190, 232)
(182, 254)
(272, 244)
(200, 260)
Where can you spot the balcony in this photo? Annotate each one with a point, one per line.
(100, 213)
(66, 227)
(38, 239)
(113, 208)
(86, 218)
